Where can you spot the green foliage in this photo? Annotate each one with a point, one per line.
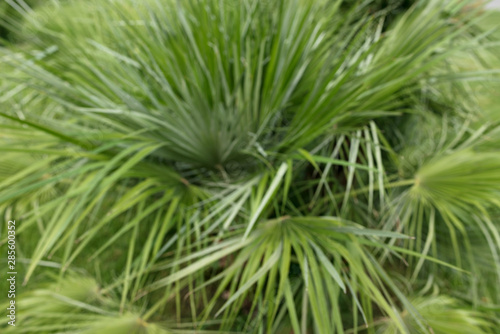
(11, 17)
(77, 304)
(253, 166)
(444, 315)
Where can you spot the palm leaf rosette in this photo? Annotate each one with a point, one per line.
(252, 166)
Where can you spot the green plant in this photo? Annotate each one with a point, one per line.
(252, 166)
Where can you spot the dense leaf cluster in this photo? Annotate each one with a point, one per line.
(277, 166)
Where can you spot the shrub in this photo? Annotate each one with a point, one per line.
(255, 166)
